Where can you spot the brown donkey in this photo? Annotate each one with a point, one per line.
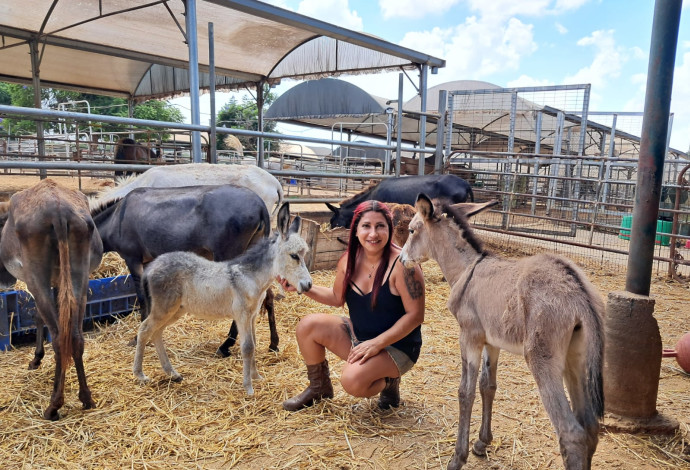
(542, 307)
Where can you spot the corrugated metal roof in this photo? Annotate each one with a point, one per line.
(137, 48)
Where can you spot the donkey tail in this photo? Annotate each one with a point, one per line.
(280, 200)
(67, 303)
(594, 337)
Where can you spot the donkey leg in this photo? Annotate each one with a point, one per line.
(146, 330)
(270, 313)
(572, 438)
(247, 349)
(78, 356)
(39, 352)
(224, 349)
(487, 389)
(575, 380)
(471, 356)
(160, 347)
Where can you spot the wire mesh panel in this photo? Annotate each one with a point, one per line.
(566, 177)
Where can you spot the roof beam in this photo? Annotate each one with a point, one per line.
(279, 15)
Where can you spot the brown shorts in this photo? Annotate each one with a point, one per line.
(401, 360)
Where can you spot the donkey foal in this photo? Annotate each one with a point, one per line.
(180, 282)
(542, 307)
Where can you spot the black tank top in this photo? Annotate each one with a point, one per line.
(368, 323)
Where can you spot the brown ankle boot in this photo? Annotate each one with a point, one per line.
(319, 387)
(390, 395)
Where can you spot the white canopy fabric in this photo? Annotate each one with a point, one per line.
(137, 48)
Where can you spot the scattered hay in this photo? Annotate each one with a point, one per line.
(207, 421)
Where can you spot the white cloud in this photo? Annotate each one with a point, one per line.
(563, 6)
(337, 12)
(476, 48)
(607, 63)
(525, 80)
(561, 29)
(414, 8)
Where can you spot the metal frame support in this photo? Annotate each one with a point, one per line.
(422, 118)
(36, 77)
(398, 142)
(440, 130)
(190, 25)
(657, 109)
(212, 92)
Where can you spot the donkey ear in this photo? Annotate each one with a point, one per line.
(424, 206)
(283, 218)
(332, 207)
(296, 225)
(470, 209)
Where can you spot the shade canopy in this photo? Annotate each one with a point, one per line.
(138, 49)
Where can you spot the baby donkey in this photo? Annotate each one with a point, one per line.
(180, 282)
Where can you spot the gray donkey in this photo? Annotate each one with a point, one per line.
(541, 307)
(180, 282)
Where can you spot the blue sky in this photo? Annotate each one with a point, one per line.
(520, 43)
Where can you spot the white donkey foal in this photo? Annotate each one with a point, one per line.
(180, 282)
(542, 307)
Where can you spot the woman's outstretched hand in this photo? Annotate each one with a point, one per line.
(363, 352)
(287, 287)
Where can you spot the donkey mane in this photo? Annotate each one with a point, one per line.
(359, 197)
(98, 206)
(256, 254)
(111, 194)
(461, 221)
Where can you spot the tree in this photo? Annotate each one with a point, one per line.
(22, 95)
(245, 115)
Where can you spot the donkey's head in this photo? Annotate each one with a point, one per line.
(289, 263)
(438, 227)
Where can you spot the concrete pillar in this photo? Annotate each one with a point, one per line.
(632, 365)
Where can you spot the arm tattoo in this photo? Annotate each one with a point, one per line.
(414, 287)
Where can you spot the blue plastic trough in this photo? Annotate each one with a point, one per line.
(107, 298)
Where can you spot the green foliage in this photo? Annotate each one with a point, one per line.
(245, 115)
(22, 95)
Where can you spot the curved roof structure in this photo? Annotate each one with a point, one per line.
(138, 48)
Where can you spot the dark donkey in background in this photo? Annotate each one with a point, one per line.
(128, 151)
(403, 190)
(216, 222)
(48, 239)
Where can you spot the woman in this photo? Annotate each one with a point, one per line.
(382, 338)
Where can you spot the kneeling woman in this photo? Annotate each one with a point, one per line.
(381, 339)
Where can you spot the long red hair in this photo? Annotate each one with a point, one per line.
(353, 246)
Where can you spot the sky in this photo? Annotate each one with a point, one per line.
(513, 43)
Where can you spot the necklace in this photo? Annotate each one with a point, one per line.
(373, 266)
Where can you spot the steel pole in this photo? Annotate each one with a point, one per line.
(657, 109)
(190, 24)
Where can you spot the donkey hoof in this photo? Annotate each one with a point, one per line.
(177, 378)
(249, 390)
(223, 352)
(273, 348)
(132, 342)
(479, 448)
(33, 365)
(142, 379)
(51, 414)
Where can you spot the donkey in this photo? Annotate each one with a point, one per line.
(48, 239)
(542, 307)
(181, 282)
(128, 151)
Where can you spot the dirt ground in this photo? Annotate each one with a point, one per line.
(207, 421)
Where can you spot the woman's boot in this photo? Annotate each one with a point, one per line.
(319, 387)
(390, 395)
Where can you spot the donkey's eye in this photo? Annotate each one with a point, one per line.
(295, 257)
(411, 231)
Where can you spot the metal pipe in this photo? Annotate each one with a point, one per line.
(398, 141)
(440, 129)
(653, 144)
(36, 78)
(190, 25)
(260, 123)
(422, 118)
(212, 92)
